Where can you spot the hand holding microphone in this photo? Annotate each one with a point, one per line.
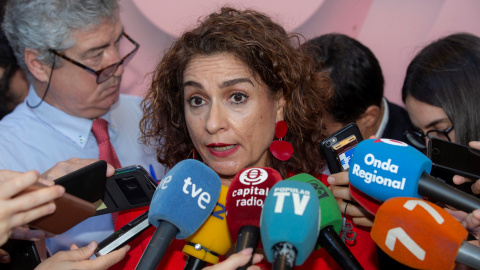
(339, 184)
(238, 260)
(422, 235)
(182, 202)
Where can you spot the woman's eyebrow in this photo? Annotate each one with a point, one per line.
(434, 122)
(235, 81)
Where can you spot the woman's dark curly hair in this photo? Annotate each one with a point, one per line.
(272, 55)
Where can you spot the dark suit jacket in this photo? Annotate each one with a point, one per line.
(398, 123)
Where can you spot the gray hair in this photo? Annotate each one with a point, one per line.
(49, 24)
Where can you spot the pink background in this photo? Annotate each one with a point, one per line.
(393, 29)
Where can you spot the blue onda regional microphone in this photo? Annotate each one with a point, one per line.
(289, 223)
(183, 200)
(385, 168)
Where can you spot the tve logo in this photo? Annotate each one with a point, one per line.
(253, 176)
(203, 197)
(286, 195)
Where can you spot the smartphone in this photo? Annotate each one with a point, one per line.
(23, 255)
(87, 183)
(124, 235)
(338, 148)
(69, 211)
(449, 159)
(130, 187)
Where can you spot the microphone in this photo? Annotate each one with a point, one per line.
(331, 223)
(211, 240)
(385, 168)
(183, 200)
(290, 223)
(422, 235)
(245, 198)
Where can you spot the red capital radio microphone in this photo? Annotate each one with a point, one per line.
(422, 235)
(385, 168)
(211, 240)
(245, 198)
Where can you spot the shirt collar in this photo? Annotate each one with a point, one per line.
(75, 128)
(384, 122)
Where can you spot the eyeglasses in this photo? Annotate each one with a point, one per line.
(418, 138)
(106, 72)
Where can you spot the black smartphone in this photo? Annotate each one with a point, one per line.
(449, 159)
(70, 210)
(123, 235)
(87, 183)
(130, 187)
(23, 255)
(338, 148)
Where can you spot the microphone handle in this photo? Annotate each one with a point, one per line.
(158, 245)
(469, 255)
(438, 190)
(284, 255)
(248, 236)
(331, 241)
(194, 263)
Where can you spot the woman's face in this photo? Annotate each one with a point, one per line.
(230, 114)
(426, 117)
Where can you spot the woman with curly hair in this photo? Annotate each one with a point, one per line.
(219, 92)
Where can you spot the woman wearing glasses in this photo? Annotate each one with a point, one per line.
(442, 93)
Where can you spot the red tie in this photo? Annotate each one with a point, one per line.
(107, 153)
(105, 148)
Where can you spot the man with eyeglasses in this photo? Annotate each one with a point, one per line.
(74, 53)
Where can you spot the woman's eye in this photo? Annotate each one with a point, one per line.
(196, 101)
(238, 98)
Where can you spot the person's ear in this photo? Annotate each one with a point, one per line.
(281, 108)
(370, 117)
(40, 71)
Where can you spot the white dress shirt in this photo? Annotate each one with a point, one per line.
(39, 138)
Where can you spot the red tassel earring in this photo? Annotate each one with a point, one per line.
(194, 154)
(281, 149)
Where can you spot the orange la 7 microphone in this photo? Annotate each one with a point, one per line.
(422, 235)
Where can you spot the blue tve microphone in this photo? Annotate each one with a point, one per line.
(289, 224)
(385, 168)
(183, 200)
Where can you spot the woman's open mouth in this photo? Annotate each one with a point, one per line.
(222, 150)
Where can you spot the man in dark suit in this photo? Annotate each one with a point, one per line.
(358, 85)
